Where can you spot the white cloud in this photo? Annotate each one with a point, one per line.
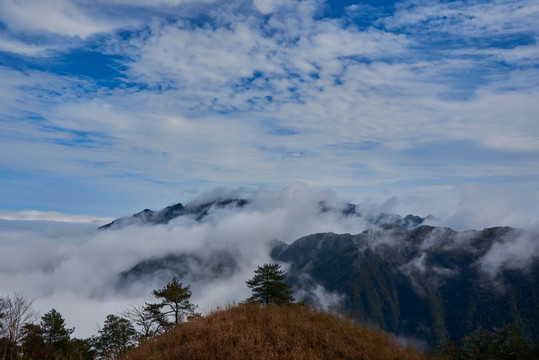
(248, 99)
(22, 48)
(60, 17)
(156, 3)
(267, 6)
(517, 253)
(487, 206)
(500, 17)
(33, 215)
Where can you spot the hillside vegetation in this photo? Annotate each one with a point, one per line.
(428, 283)
(251, 331)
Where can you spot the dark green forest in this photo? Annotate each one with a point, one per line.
(406, 286)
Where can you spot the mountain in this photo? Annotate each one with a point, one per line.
(272, 332)
(194, 210)
(215, 265)
(424, 283)
(427, 283)
(199, 211)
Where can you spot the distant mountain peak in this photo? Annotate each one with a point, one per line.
(195, 209)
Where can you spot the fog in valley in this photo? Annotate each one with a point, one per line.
(65, 262)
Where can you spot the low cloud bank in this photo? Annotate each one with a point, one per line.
(75, 268)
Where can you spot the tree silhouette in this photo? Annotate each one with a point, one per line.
(174, 303)
(505, 343)
(48, 340)
(115, 338)
(16, 311)
(146, 318)
(54, 331)
(268, 286)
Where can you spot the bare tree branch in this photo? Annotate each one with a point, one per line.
(16, 312)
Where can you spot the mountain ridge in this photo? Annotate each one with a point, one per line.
(163, 216)
(199, 212)
(423, 282)
(394, 279)
(429, 284)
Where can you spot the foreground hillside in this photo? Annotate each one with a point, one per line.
(272, 332)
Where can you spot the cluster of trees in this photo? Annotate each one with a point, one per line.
(501, 343)
(25, 336)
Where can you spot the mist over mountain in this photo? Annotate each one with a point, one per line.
(221, 262)
(198, 211)
(194, 210)
(421, 282)
(429, 284)
(216, 241)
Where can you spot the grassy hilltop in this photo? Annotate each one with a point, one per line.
(273, 332)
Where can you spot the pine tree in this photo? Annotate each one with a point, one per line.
(268, 286)
(32, 342)
(54, 331)
(48, 340)
(174, 303)
(115, 338)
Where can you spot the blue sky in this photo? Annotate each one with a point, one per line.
(108, 107)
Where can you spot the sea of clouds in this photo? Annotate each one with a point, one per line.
(65, 262)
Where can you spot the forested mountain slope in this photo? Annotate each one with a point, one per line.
(427, 283)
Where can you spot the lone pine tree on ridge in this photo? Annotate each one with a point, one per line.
(268, 286)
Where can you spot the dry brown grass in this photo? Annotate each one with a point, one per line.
(272, 332)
